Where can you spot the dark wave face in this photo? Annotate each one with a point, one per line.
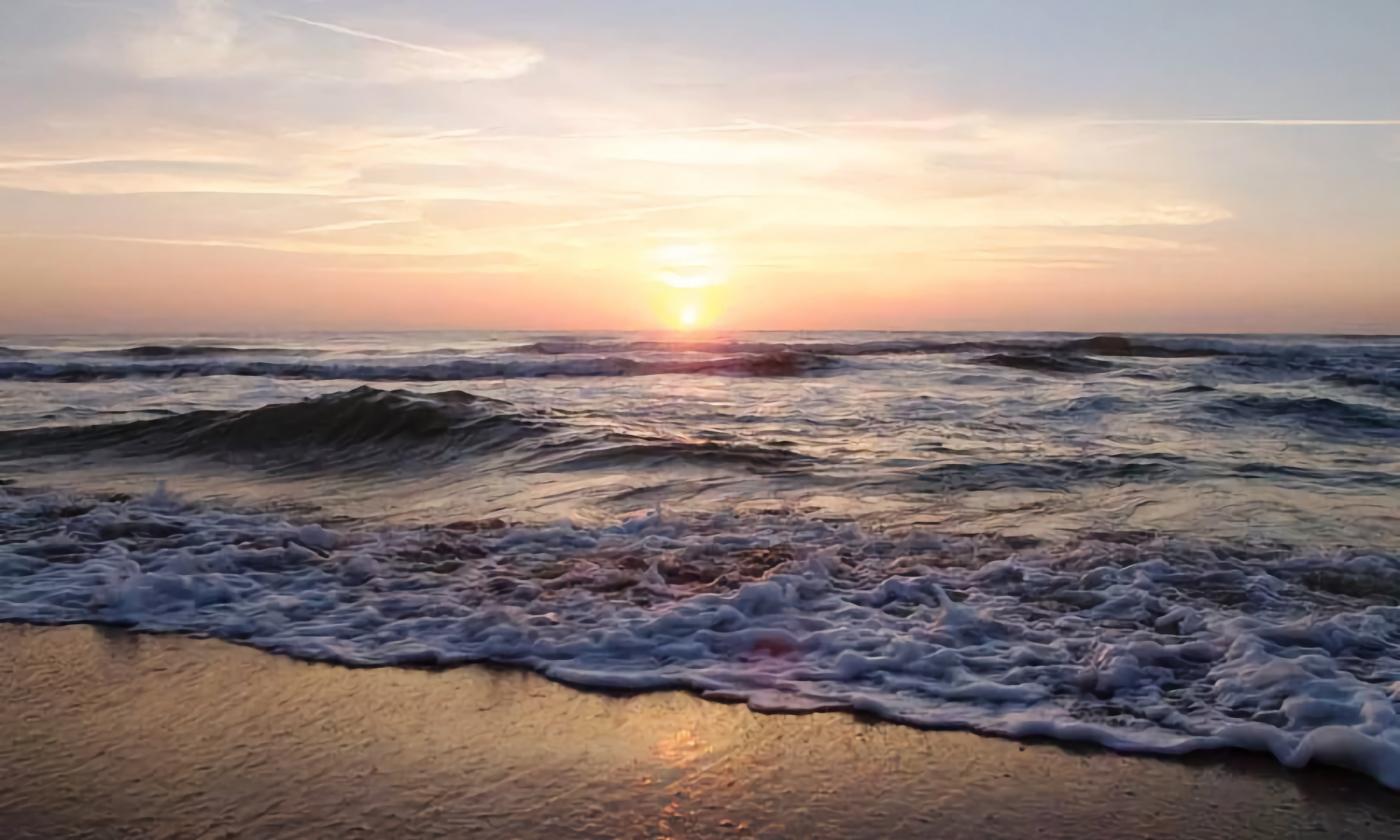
(1054, 473)
(370, 428)
(1043, 363)
(1321, 414)
(332, 429)
(1157, 543)
(182, 351)
(1387, 384)
(616, 451)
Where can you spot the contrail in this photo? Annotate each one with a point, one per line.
(498, 60)
(370, 36)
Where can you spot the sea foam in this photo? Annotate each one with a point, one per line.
(1134, 641)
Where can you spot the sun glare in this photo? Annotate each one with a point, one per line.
(691, 277)
(689, 265)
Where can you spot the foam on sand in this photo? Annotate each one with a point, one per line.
(1133, 641)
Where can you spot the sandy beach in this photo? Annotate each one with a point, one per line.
(106, 733)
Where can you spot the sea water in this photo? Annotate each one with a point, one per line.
(1155, 543)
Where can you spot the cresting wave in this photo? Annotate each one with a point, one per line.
(182, 351)
(777, 363)
(336, 423)
(1319, 414)
(369, 428)
(1133, 641)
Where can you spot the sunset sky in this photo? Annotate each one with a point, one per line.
(187, 165)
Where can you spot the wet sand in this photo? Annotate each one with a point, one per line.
(105, 733)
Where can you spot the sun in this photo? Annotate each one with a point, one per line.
(691, 283)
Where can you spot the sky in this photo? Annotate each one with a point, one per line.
(1133, 165)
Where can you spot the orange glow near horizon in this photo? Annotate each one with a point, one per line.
(692, 273)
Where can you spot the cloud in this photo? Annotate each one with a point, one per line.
(588, 194)
(356, 224)
(205, 39)
(200, 38)
(409, 60)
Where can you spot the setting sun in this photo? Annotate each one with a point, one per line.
(689, 317)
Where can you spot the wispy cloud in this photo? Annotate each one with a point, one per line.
(358, 224)
(197, 38)
(219, 39)
(487, 61)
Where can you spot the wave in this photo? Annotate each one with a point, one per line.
(1052, 473)
(182, 351)
(630, 451)
(1364, 479)
(1059, 474)
(1103, 345)
(1319, 414)
(368, 427)
(1117, 345)
(329, 429)
(574, 347)
(1377, 382)
(775, 364)
(1043, 363)
(1137, 642)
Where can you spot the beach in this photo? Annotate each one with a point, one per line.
(108, 733)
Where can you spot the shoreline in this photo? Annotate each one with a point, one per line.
(105, 731)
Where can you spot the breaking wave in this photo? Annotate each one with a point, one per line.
(336, 424)
(1136, 642)
(368, 427)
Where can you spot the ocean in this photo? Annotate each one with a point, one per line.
(1155, 543)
